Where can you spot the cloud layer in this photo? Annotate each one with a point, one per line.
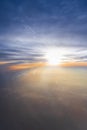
(28, 28)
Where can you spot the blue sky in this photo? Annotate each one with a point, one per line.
(29, 27)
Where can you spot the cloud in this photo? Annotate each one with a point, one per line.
(29, 27)
(25, 66)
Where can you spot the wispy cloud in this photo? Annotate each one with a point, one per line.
(34, 25)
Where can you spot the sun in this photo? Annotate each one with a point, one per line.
(53, 57)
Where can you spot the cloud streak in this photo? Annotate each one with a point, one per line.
(28, 28)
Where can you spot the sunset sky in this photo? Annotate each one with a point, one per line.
(29, 29)
(43, 64)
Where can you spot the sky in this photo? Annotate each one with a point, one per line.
(34, 96)
(28, 29)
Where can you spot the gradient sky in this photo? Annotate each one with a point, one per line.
(34, 96)
(29, 28)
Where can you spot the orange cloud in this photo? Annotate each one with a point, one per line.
(74, 64)
(41, 64)
(3, 62)
(25, 66)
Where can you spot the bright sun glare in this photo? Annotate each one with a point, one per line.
(53, 57)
